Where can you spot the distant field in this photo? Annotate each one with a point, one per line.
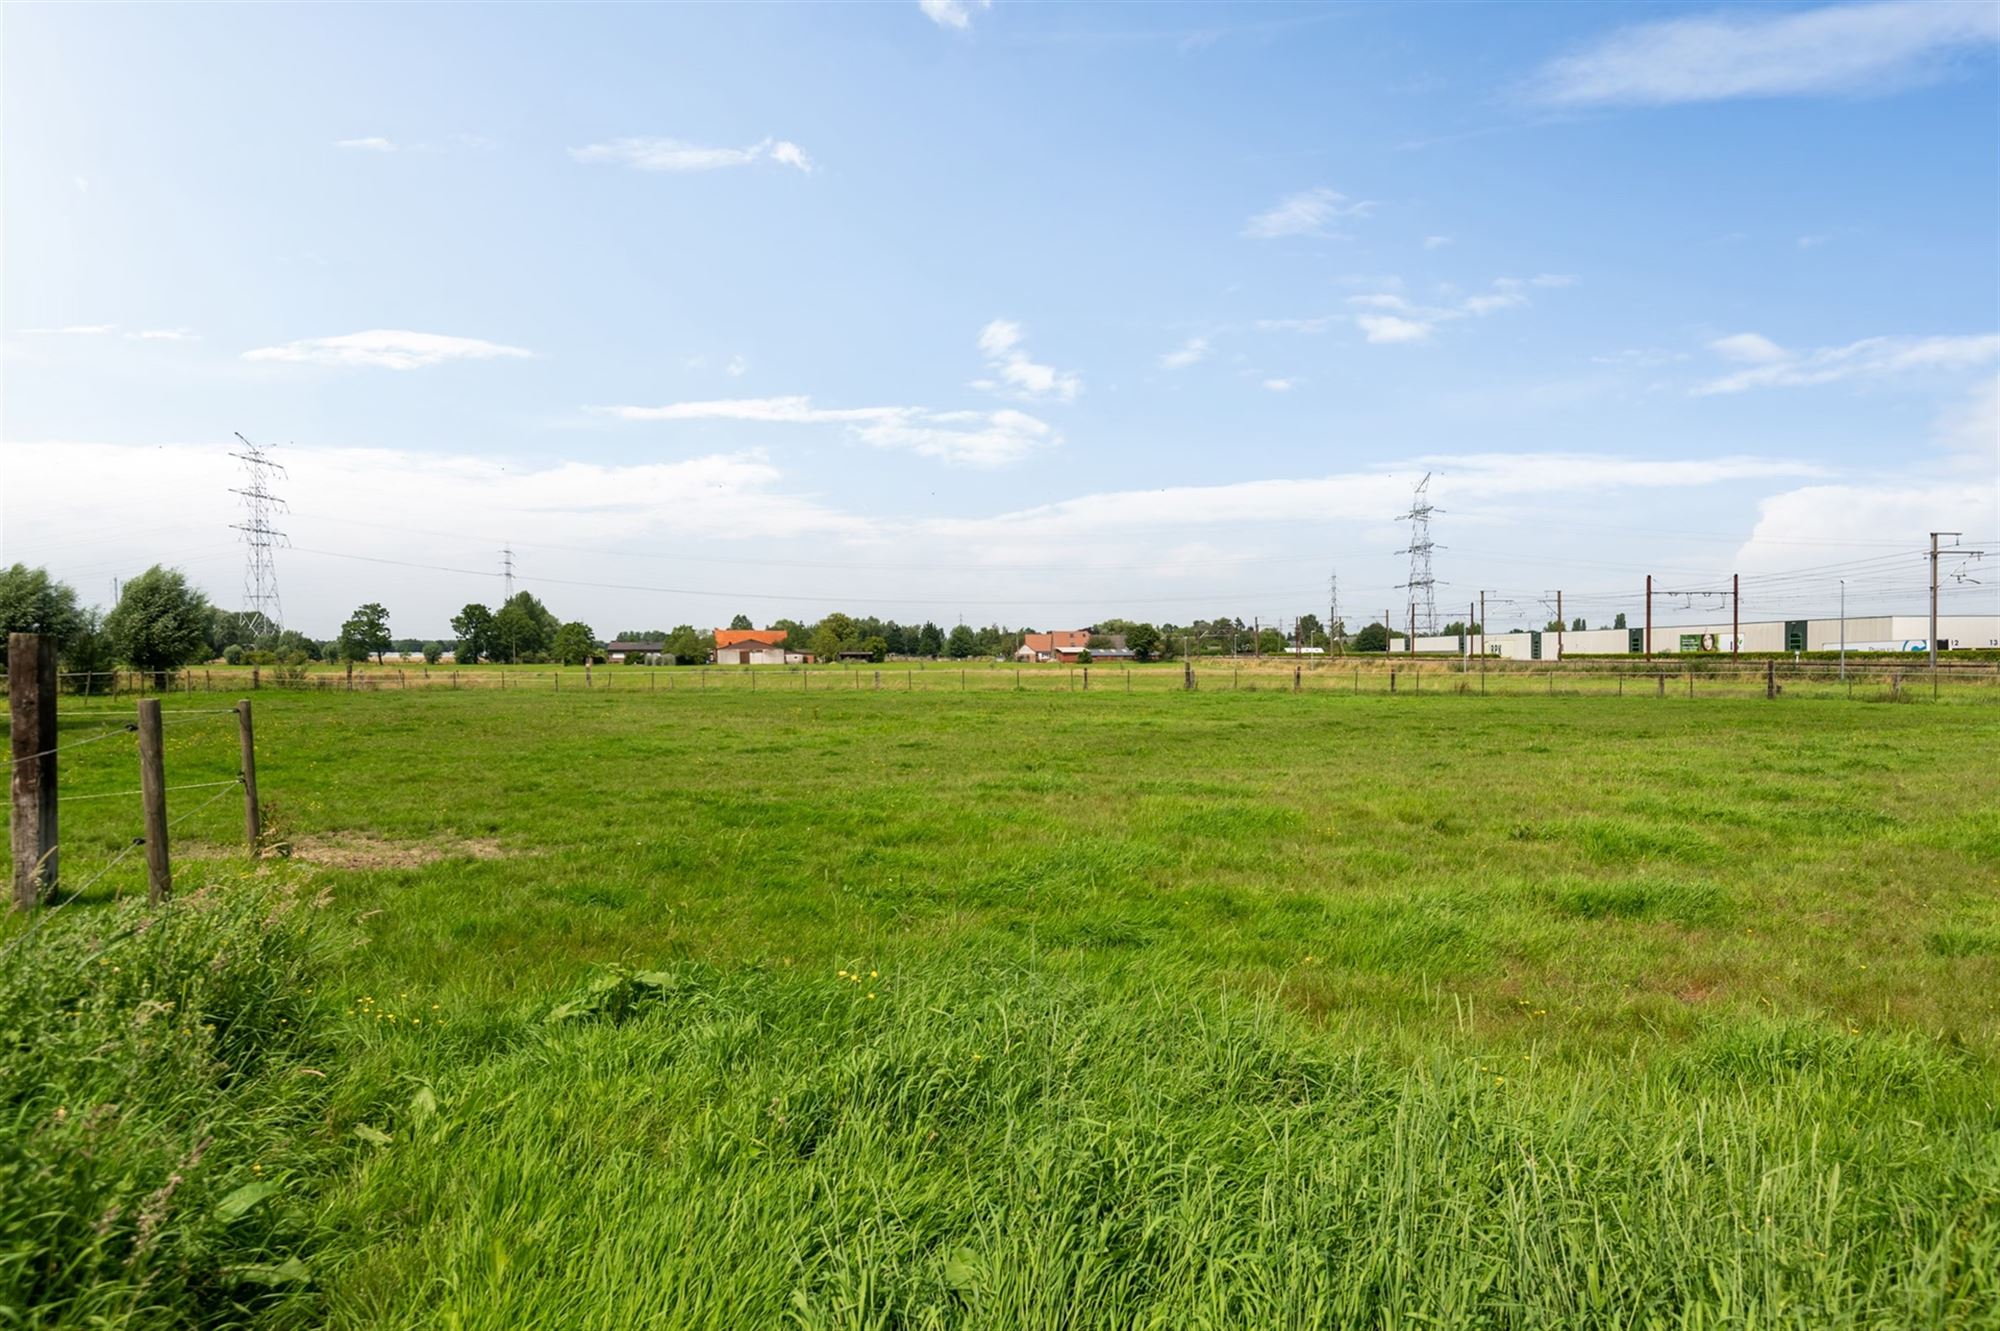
(833, 1007)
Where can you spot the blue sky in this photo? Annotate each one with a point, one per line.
(1028, 313)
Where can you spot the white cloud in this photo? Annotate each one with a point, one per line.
(1403, 320)
(1751, 348)
(1970, 432)
(1280, 385)
(1834, 49)
(385, 348)
(967, 438)
(1000, 344)
(1812, 242)
(1186, 354)
(108, 330)
(1360, 496)
(1436, 242)
(371, 144)
(952, 13)
(660, 154)
(737, 367)
(1392, 328)
(1307, 214)
(1870, 358)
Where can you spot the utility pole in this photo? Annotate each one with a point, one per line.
(1649, 617)
(507, 572)
(1482, 641)
(1736, 612)
(1561, 624)
(1843, 630)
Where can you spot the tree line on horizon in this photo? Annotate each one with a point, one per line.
(162, 623)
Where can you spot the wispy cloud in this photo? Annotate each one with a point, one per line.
(1000, 344)
(1280, 385)
(966, 438)
(660, 154)
(113, 330)
(1392, 328)
(1772, 366)
(1187, 353)
(385, 348)
(1311, 213)
(952, 13)
(1391, 317)
(376, 143)
(1835, 49)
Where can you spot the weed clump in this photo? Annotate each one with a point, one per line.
(156, 1089)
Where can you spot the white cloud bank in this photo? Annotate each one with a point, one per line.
(1752, 53)
(661, 154)
(385, 348)
(965, 438)
(1772, 366)
(1000, 343)
(1311, 213)
(1190, 352)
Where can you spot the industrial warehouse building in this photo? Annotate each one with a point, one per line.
(1863, 633)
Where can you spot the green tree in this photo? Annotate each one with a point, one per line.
(877, 647)
(474, 627)
(740, 622)
(33, 602)
(160, 623)
(1310, 631)
(826, 643)
(1144, 642)
(89, 656)
(1619, 622)
(433, 653)
(686, 647)
(1084, 657)
(365, 634)
(573, 643)
(226, 627)
(930, 642)
(1576, 625)
(962, 643)
(1270, 642)
(233, 654)
(1374, 638)
(292, 647)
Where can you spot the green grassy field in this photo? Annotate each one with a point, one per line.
(854, 1009)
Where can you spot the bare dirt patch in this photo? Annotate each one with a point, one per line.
(358, 851)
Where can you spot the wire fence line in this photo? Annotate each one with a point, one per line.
(1896, 678)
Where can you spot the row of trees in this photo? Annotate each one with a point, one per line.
(161, 623)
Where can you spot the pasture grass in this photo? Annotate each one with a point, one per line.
(1002, 1008)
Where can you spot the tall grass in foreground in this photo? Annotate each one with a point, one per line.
(707, 1148)
(155, 1106)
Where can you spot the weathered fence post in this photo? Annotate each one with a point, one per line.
(256, 677)
(253, 825)
(31, 697)
(153, 796)
(1086, 679)
(1295, 679)
(1392, 679)
(1663, 686)
(1770, 679)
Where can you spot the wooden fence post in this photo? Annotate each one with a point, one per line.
(31, 697)
(153, 796)
(1770, 679)
(253, 825)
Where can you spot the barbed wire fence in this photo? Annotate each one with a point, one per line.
(36, 795)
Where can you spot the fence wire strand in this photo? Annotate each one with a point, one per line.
(128, 728)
